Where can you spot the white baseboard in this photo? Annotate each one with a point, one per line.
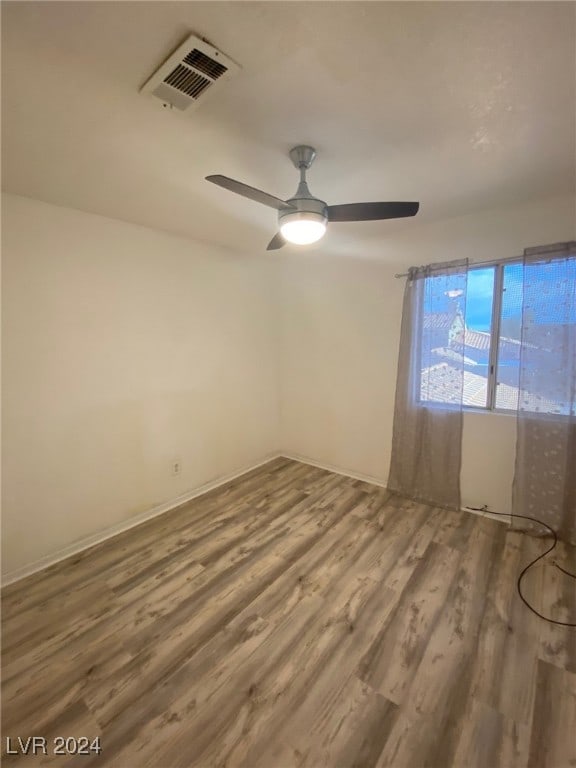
(332, 468)
(107, 533)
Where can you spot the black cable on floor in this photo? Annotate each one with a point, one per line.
(533, 562)
(572, 575)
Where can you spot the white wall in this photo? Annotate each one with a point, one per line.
(124, 349)
(340, 336)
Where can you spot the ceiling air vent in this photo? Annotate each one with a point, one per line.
(185, 78)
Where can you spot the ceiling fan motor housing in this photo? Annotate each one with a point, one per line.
(303, 208)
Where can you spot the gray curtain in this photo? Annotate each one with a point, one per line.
(545, 473)
(427, 433)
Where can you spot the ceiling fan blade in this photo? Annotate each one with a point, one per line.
(371, 211)
(250, 192)
(276, 242)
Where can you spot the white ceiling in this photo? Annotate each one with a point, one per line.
(462, 106)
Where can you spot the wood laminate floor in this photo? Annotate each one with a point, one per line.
(295, 619)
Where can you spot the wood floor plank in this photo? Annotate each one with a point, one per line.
(296, 618)
(161, 648)
(398, 544)
(210, 716)
(489, 738)
(351, 731)
(445, 664)
(316, 698)
(317, 652)
(390, 663)
(48, 629)
(504, 665)
(553, 735)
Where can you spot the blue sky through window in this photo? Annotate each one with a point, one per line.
(478, 299)
(480, 296)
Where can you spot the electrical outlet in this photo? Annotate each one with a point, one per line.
(176, 467)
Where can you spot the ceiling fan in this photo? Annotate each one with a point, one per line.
(302, 219)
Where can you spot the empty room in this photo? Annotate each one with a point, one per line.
(288, 384)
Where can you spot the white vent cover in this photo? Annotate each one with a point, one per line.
(193, 70)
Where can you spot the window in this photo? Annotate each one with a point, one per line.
(479, 324)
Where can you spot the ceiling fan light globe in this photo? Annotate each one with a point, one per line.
(303, 228)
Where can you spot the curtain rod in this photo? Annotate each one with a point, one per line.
(472, 264)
